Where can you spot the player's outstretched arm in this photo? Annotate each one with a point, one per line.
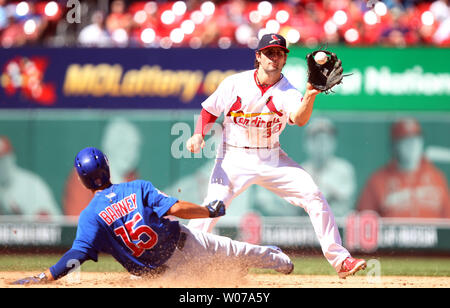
(188, 210)
(71, 260)
(303, 114)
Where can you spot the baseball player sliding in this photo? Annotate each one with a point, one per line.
(128, 221)
(257, 104)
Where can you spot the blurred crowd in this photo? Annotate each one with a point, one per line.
(224, 24)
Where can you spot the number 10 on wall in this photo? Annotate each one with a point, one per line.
(361, 231)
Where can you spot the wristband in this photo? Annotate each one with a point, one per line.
(216, 208)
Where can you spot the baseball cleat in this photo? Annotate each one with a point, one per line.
(350, 266)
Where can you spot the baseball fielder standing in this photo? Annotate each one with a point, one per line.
(257, 104)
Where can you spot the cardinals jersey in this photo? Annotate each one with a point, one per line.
(126, 221)
(254, 116)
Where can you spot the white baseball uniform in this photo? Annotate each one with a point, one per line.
(206, 253)
(254, 118)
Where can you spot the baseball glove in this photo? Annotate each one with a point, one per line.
(324, 77)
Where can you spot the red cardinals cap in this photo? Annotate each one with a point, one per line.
(272, 40)
(5, 146)
(405, 128)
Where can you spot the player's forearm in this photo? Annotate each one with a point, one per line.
(303, 114)
(69, 261)
(188, 210)
(204, 122)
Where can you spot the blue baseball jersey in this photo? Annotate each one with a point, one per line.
(126, 220)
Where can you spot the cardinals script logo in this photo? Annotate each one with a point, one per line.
(268, 121)
(25, 75)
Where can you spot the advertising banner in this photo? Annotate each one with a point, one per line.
(115, 78)
(380, 78)
(383, 79)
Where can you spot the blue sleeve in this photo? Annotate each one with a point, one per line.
(159, 201)
(89, 236)
(70, 260)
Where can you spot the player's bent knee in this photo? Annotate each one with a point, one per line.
(315, 201)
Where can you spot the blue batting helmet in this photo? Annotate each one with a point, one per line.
(92, 167)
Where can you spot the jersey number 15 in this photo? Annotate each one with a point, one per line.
(131, 236)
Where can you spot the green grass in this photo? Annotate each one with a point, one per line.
(40, 262)
(389, 266)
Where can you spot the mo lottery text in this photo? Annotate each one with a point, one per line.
(112, 80)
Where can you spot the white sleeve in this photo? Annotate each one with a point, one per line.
(220, 99)
(292, 102)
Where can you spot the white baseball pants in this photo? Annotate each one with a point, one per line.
(206, 254)
(238, 168)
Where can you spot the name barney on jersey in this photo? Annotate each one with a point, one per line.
(119, 209)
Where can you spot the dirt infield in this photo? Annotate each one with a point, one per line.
(124, 280)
